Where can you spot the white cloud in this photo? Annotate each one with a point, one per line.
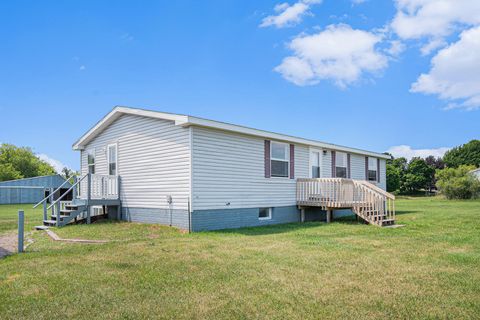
(338, 53)
(396, 48)
(355, 2)
(409, 153)
(455, 73)
(432, 45)
(416, 19)
(56, 164)
(289, 15)
(82, 67)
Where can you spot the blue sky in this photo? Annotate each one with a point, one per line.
(343, 71)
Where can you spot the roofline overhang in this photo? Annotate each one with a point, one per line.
(186, 121)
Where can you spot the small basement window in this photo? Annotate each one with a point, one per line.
(265, 214)
(280, 158)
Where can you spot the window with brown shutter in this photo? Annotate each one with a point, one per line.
(372, 173)
(341, 165)
(279, 159)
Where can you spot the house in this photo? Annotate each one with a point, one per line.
(198, 174)
(30, 190)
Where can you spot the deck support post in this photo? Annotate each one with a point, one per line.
(52, 200)
(119, 208)
(57, 208)
(302, 214)
(329, 215)
(89, 195)
(45, 211)
(89, 219)
(21, 229)
(74, 191)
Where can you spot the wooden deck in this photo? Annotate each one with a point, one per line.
(91, 191)
(366, 200)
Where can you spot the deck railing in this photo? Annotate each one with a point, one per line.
(103, 187)
(368, 201)
(99, 187)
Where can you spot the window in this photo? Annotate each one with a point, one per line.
(315, 163)
(280, 159)
(112, 159)
(372, 169)
(91, 161)
(340, 165)
(265, 214)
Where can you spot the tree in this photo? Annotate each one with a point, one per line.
(8, 172)
(400, 163)
(17, 163)
(458, 183)
(394, 176)
(467, 154)
(67, 173)
(396, 169)
(419, 175)
(436, 163)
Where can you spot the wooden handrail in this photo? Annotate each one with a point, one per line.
(376, 188)
(46, 198)
(365, 199)
(71, 188)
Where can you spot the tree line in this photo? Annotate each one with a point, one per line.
(21, 162)
(449, 174)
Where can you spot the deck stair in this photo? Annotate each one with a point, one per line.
(71, 213)
(369, 202)
(90, 191)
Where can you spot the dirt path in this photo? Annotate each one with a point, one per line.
(8, 244)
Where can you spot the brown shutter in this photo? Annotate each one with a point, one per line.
(268, 170)
(378, 170)
(366, 168)
(292, 161)
(334, 164)
(349, 172)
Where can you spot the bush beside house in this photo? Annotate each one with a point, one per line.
(458, 183)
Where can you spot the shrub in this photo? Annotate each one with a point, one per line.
(458, 183)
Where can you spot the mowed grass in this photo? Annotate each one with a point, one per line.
(430, 269)
(9, 217)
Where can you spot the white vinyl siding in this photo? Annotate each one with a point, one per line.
(357, 167)
(229, 168)
(153, 161)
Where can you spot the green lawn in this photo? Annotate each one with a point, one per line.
(429, 269)
(9, 217)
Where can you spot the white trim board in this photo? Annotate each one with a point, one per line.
(186, 121)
